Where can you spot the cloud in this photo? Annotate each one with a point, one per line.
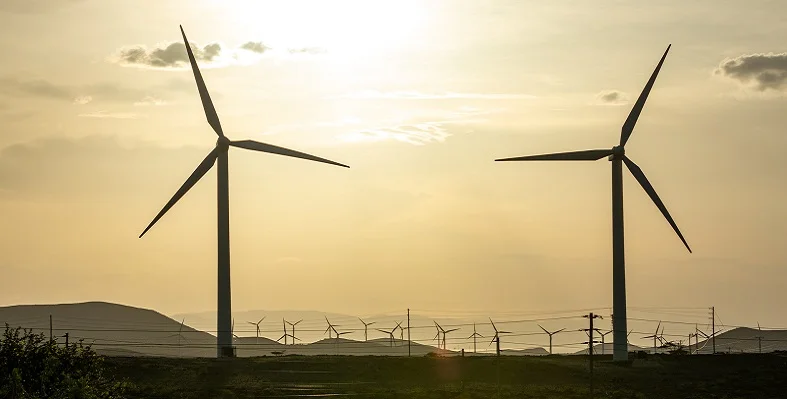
(109, 115)
(173, 56)
(415, 95)
(419, 133)
(611, 97)
(82, 100)
(149, 100)
(255, 47)
(307, 50)
(81, 95)
(164, 56)
(763, 71)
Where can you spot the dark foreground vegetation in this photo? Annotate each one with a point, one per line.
(35, 367)
(666, 376)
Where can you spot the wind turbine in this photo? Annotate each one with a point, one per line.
(439, 331)
(617, 157)
(474, 336)
(390, 334)
(759, 337)
(220, 153)
(446, 332)
(257, 324)
(496, 338)
(293, 329)
(550, 336)
(603, 335)
(655, 337)
(401, 331)
(179, 335)
(285, 335)
(331, 327)
(365, 328)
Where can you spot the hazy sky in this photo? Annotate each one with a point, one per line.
(101, 123)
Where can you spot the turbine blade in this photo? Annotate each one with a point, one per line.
(272, 149)
(585, 155)
(561, 330)
(643, 181)
(207, 104)
(200, 171)
(628, 126)
(545, 330)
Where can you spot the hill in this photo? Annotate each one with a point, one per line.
(112, 329)
(744, 340)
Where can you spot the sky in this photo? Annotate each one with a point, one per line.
(102, 122)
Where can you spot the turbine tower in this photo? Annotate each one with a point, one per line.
(474, 336)
(179, 335)
(220, 153)
(655, 336)
(257, 324)
(618, 158)
(293, 329)
(550, 336)
(446, 332)
(390, 334)
(365, 328)
(496, 338)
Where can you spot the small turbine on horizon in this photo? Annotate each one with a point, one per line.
(550, 336)
(655, 336)
(617, 156)
(390, 334)
(331, 327)
(179, 335)
(219, 155)
(474, 336)
(365, 329)
(257, 324)
(496, 338)
(292, 325)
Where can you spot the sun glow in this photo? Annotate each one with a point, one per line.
(339, 27)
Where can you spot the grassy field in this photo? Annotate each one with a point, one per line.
(726, 376)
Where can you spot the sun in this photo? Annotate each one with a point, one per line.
(340, 27)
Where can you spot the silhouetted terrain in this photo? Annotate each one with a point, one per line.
(553, 377)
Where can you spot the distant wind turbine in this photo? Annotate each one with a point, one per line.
(365, 328)
(390, 334)
(655, 337)
(292, 325)
(331, 327)
(179, 335)
(219, 152)
(401, 331)
(550, 336)
(496, 338)
(474, 336)
(603, 335)
(617, 157)
(257, 324)
(446, 332)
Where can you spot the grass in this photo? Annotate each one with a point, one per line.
(691, 377)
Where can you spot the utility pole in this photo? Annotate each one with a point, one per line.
(713, 326)
(66, 335)
(408, 332)
(50, 328)
(590, 316)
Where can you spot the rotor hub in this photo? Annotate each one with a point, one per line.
(617, 153)
(223, 143)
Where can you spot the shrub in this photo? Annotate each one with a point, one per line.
(33, 367)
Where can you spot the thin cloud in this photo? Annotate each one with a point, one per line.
(109, 115)
(612, 97)
(762, 71)
(307, 50)
(82, 100)
(149, 100)
(254, 47)
(419, 133)
(81, 95)
(415, 95)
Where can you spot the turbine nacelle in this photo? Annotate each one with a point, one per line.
(618, 152)
(223, 143)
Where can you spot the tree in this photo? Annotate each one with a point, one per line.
(33, 367)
